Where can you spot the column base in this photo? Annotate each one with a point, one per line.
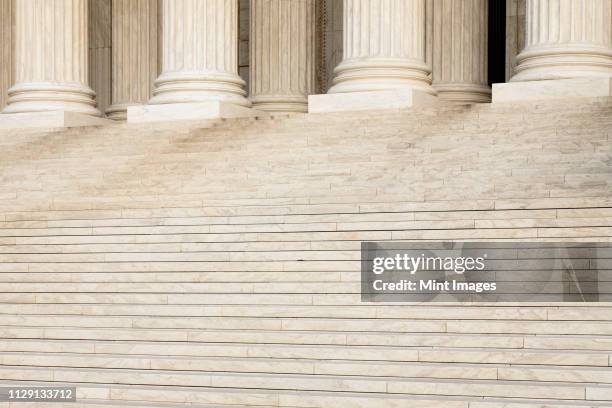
(189, 111)
(53, 119)
(118, 112)
(563, 61)
(30, 97)
(375, 100)
(381, 74)
(280, 104)
(552, 89)
(463, 93)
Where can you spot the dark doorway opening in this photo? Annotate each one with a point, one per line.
(497, 41)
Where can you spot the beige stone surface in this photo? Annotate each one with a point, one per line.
(135, 55)
(552, 89)
(52, 119)
(52, 65)
(283, 51)
(189, 111)
(216, 262)
(359, 101)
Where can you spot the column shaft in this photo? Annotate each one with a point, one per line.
(566, 39)
(6, 67)
(283, 54)
(100, 51)
(135, 57)
(51, 48)
(460, 50)
(384, 47)
(200, 53)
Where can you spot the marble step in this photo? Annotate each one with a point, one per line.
(95, 403)
(263, 206)
(537, 141)
(464, 311)
(268, 224)
(332, 162)
(244, 137)
(169, 397)
(417, 182)
(421, 179)
(436, 352)
(150, 218)
(176, 234)
(281, 129)
(290, 213)
(341, 195)
(211, 299)
(313, 324)
(467, 311)
(345, 287)
(310, 365)
(541, 150)
(275, 366)
(392, 385)
(532, 344)
(253, 228)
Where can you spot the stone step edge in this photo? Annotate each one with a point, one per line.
(462, 401)
(317, 376)
(337, 361)
(367, 400)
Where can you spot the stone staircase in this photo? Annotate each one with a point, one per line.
(216, 264)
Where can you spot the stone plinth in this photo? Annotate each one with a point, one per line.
(189, 111)
(374, 100)
(51, 119)
(552, 89)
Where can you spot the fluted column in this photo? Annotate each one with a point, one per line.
(100, 51)
(135, 61)
(460, 50)
(283, 54)
(200, 53)
(51, 58)
(566, 39)
(5, 50)
(384, 47)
